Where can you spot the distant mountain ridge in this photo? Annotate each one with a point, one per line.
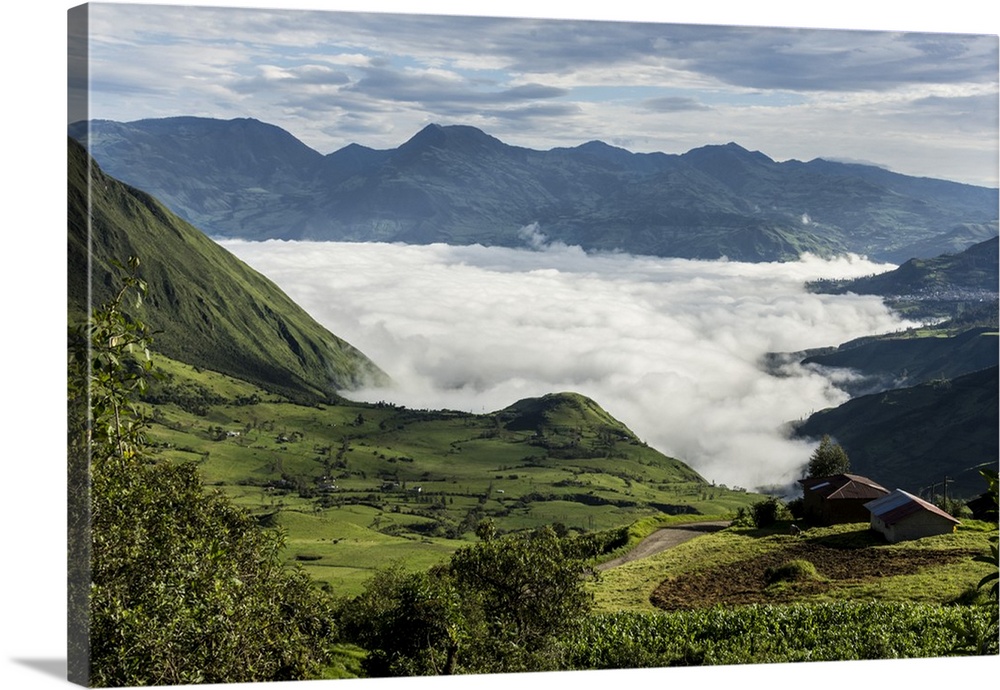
(459, 185)
(205, 306)
(975, 268)
(960, 285)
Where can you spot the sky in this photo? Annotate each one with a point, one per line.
(915, 101)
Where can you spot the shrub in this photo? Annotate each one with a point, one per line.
(767, 512)
(796, 570)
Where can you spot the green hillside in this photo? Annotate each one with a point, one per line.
(912, 438)
(205, 305)
(358, 486)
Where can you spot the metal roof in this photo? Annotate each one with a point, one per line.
(899, 505)
(844, 486)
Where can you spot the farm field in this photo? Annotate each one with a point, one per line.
(358, 486)
(750, 596)
(742, 566)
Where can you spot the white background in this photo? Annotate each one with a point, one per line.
(33, 475)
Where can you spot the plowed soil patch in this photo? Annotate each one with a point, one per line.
(745, 582)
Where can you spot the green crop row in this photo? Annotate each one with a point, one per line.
(777, 634)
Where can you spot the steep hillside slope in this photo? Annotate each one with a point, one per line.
(975, 268)
(951, 285)
(206, 306)
(912, 438)
(896, 362)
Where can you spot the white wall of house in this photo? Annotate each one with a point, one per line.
(916, 526)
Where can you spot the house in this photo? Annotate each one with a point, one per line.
(838, 498)
(901, 516)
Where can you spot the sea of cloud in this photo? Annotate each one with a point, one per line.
(671, 347)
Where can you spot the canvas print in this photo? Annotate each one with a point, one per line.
(418, 345)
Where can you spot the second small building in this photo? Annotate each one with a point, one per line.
(839, 498)
(901, 516)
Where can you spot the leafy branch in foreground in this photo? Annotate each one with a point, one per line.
(183, 586)
(992, 558)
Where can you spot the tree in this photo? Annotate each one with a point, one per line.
(497, 606)
(828, 459)
(529, 590)
(181, 586)
(411, 623)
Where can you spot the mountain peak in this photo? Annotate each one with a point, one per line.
(450, 136)
(730, 149)
(604, 151)
(557, 412)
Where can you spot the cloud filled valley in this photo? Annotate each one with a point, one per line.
(671, 347)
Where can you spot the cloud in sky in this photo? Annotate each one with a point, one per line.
(334, 78)
(671, 347)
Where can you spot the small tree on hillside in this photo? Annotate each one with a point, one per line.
(528, 590)
(828, 459)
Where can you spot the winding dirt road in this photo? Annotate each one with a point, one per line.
(665, 538)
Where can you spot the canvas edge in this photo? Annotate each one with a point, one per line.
(78, 565)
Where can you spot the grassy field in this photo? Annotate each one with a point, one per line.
(357, 486)
(730, 567)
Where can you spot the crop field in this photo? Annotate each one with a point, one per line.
(766, 633)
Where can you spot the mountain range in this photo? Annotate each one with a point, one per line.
(457, 184)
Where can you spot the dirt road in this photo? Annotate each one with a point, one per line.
(665, 538)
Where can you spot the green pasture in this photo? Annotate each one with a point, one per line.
(356, 486)
(628, 587)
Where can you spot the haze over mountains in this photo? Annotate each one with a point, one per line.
(458, 185)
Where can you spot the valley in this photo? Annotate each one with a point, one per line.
(358, 486)
(415, 345)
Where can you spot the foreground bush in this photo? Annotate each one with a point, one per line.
(501, 605)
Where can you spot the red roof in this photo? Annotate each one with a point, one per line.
(844, 486)
(899, 505)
